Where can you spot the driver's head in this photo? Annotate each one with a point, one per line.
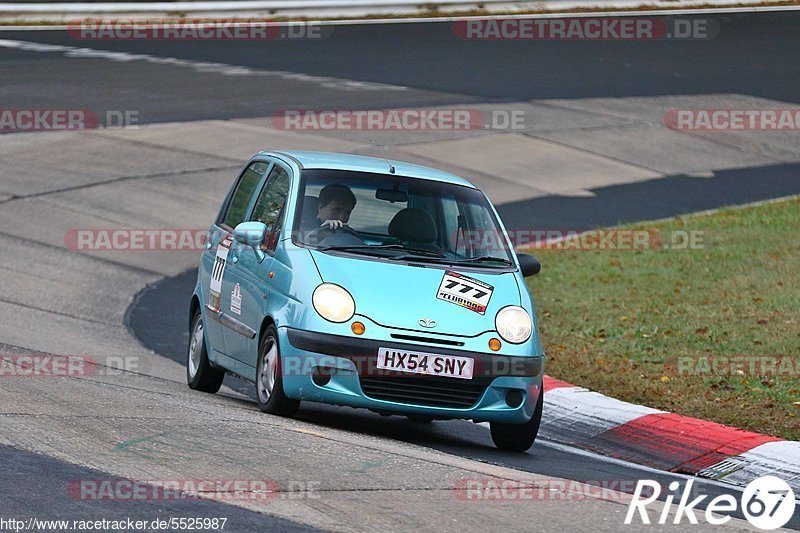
(336, 202)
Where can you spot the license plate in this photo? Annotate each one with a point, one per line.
(429, 364)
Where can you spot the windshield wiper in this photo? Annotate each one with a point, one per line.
(486, 259)
(358, 248)
(399, 247)
(421, 252)
(418, 253)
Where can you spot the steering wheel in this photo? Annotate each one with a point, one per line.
(324, 233)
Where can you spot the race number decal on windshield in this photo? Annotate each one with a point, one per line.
(218, 270)
(466, 292)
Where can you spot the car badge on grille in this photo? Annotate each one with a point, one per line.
(427, 322)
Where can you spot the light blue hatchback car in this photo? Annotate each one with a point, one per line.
(370, 283)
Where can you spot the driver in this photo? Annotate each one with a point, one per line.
(336, 202)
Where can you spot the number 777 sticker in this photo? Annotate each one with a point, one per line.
(470, 293)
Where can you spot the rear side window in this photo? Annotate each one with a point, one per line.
(237, 209)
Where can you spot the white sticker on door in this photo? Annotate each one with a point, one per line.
(236, 300)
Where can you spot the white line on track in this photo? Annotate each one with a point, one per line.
(199, 66)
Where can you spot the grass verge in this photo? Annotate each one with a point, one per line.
(690, 331)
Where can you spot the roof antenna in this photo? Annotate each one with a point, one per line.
(381, 149)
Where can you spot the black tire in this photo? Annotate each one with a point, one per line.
(274, 401)
(200, 375)
(518, 437)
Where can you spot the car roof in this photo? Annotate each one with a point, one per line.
(362, 163)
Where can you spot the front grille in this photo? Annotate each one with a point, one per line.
(425, 390)
(431, 340)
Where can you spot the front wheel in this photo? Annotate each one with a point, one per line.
(199, 373)
(518, 437)
(269, 378)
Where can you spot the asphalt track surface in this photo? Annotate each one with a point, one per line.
(441, 70)
(42, 473)
(754, 54)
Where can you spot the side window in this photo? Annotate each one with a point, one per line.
(269, 205)
(481, 229)
(454, 236)
(237, 209)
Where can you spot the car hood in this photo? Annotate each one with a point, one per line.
(398, 295)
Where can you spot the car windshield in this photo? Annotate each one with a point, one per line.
(398, 217)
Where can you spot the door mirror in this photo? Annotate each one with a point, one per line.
(529, 264)
(252, 234)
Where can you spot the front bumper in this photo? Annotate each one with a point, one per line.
(341, 370)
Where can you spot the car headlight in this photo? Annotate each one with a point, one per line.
(513, 324)
(333, 303)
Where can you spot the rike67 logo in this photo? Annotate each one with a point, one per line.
(767, 502)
